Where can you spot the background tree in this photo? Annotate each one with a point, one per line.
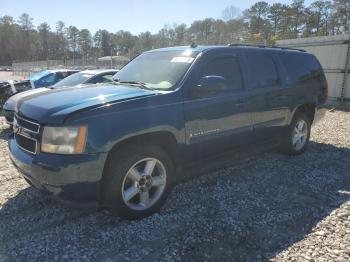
(144, 42)
(85, 43)
(236, 30)
(297, 14)
(261, 23)
(102, 40)
(61, 40)
(9, 32)
(343, 12)
(27, 40)
(73, 38)
(275, 15)
(26, 22)
(230, 12)
(181, 35)
(124, 42)
(44, 33)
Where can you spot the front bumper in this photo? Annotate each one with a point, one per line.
(73, 179)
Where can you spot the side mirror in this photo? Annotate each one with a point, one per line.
(211, 84)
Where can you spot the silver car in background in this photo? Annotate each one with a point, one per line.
(79, 79)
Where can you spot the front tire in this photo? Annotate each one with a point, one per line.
(297, 136)
(137, 180)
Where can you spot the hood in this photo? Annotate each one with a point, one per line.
(76, 86)
(55, 105)
(12, 101)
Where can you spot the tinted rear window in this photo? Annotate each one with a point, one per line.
(263, 70)
(300, 66)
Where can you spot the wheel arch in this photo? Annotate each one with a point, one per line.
(164, 139)
(309, 109)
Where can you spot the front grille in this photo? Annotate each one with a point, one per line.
(26, 134)
(26, 143)
(29, 125)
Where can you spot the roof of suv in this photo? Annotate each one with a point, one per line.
(198, 48)
(201, 48)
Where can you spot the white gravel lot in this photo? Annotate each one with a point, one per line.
(268, 207)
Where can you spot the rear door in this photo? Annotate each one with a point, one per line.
(216, 121)
(269, 98)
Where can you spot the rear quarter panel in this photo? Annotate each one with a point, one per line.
(310, 89)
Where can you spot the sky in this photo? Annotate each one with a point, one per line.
(130, 15)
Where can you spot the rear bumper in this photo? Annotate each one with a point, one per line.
(72, 179)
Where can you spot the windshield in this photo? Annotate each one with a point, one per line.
(74, 79)
(157, 70)
(38, 75)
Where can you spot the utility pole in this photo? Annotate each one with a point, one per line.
(112, 56)
(346, 73)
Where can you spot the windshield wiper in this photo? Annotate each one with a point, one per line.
(140, 84)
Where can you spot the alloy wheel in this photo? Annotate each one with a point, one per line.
(144, 184)
(299, 136)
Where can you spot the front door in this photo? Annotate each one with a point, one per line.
(216, 120)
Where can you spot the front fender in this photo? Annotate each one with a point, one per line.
(109, 125)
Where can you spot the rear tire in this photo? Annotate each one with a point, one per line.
(297, 136)
(137, 180)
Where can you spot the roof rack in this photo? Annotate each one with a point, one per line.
(267, 46)
(290, 48)
(248, 45)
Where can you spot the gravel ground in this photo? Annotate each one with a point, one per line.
(268, 207)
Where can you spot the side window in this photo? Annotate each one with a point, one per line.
(48, 80)
(107, 78)
(101, 79)
(68, 73)
(263, 70)
(60, 76)
(300, 66)
(227, 67)
(95, 80)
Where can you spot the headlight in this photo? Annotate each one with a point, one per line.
(64, 140)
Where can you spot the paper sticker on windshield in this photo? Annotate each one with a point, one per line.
(182, 59)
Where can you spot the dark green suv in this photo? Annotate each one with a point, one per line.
(123, 145)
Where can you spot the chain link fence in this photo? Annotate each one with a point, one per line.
(27, 68)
